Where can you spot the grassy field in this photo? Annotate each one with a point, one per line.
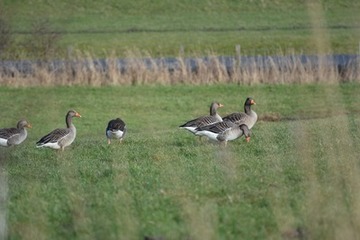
(161, 28)
(298, 178)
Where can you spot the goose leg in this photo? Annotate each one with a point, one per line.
(223, 143)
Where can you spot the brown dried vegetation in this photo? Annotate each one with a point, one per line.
(136, 70)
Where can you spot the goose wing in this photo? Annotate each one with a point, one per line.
(6, 133)
(54, 136)
(217, 127)
(200, 121)
(237, 118)
(116, 124)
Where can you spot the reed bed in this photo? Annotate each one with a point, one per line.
(136, 69)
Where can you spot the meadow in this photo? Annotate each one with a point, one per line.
(298, 177)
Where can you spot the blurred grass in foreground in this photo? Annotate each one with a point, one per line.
(297, 178)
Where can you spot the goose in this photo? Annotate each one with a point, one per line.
(224, 131)
(214, 117)
(60, 137)
(14, 136)
(248, 117)
(116, 129)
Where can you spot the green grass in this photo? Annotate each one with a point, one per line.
(161, 181)
(181, 23)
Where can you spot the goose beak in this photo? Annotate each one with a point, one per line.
(77, 115)
(253, 102)
(220, 105)
(29, 125)
(247, 139)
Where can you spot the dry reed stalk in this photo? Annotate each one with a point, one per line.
(351, 73)
(165, 77)
(84, 69)
(111, 74)
(181, 73)
(251, 73)
(218, 70)
(92, 71)
(134, 68)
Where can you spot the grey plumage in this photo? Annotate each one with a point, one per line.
(214, 117)
(14, 136)
(224, 131)
(60, 137)
(248, 117)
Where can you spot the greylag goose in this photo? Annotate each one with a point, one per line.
(14, 136)
(214, 117)
(224, 131)
(60, 137)
(248, 117)
(116, 129)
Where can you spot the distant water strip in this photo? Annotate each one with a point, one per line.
(341, 61)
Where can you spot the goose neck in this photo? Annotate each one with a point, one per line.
(23, 131)
(68, 120)
(213, 110)
(247, 109)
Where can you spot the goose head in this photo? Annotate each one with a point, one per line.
(73, 113)
(69, 116)
(247, 106)
(214, 106)
(23, 123)
(250, 101)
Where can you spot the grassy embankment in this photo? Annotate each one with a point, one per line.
(161, 28)
(294, 177)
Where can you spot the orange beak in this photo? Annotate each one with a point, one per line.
(253, 102)
(247, 139)
(220, 105)
(29, 125)
(77, 115)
